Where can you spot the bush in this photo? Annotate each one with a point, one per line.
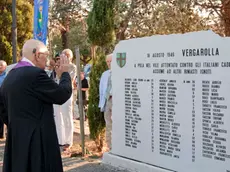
(101, 23)
(96, 118)
(24, 31)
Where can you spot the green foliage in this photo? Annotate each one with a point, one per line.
(101, 23)
(169, 19)
(62, 13)
(150, 17)
(57, 44)
(96, 118)
(131, 19)
(60, 10)
(100, 33)
(24, 27)
(76, 37)
(24, 22)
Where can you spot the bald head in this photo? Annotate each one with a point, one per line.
(32, 46)
(36, 52)
(109, 60)
(3, 66)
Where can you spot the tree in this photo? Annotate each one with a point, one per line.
(138, 18)
(166, 19)
(62, 13)
(101, 33)
(124, 11)
(218, 11)
(31, 1)
(101, 24)
(77, 37)
(127, 9)
(24, 13)
(131, 19)
(96, 118)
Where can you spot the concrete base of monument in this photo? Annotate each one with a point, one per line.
(129, 165)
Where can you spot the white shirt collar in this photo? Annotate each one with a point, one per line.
(27, 60)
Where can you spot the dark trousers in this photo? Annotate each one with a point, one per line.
(85, 103)
(1, 129)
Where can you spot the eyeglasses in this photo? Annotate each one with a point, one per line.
(46, 54)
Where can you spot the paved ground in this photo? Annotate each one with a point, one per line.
(75, 164)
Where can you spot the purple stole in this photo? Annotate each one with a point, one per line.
(22, 64)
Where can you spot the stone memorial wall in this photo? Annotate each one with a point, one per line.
(171, 102)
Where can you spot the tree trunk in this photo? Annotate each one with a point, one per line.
(50, 38)
(226, 17)
(93, 52)
(100, 140)
(14, 31)
(65, 33)
(120, 35)
(64, 37)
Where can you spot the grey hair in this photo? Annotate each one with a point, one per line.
(109, 55)
(68, 52)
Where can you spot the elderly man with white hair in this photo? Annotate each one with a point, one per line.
(27, 96)
(105, 103)
(64, 113)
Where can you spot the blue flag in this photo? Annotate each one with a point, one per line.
(41, 9)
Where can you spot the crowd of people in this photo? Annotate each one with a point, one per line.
(38, 102)
(63, 114)
(27, 96)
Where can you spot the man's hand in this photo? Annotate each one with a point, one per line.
(63, 67)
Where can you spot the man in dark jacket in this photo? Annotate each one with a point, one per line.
(26, 107)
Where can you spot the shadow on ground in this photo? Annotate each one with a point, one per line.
(75, 164)
(78, 165)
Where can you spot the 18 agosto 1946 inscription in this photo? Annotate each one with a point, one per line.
(171, 101)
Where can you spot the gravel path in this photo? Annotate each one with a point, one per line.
(74, 164)
(78, 165)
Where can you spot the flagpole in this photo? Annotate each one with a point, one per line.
(14, 31)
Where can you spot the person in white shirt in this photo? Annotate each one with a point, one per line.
(64, 113)
(105, 103)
